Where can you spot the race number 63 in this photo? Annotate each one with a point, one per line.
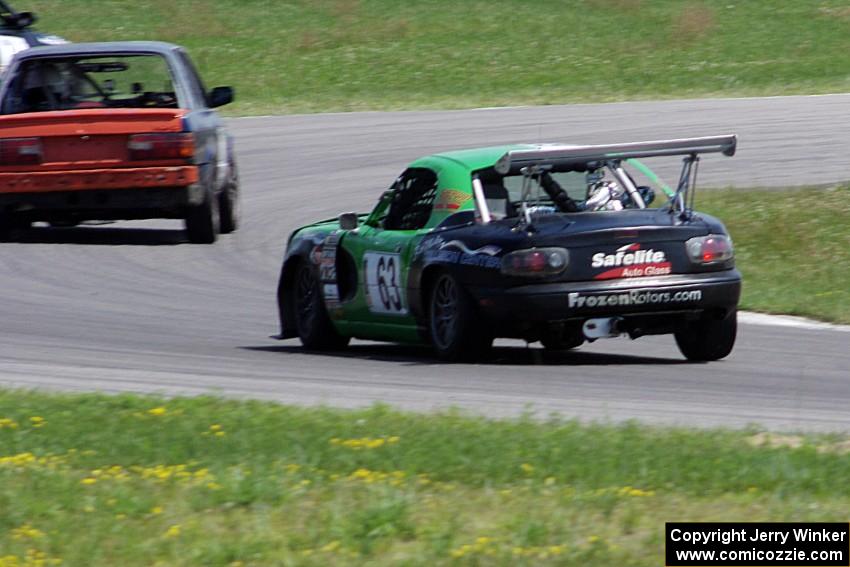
(383, 282)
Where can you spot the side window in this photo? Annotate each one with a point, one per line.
(412, 201)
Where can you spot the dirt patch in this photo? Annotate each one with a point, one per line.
(694, 21)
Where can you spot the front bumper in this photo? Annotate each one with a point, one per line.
(551, 302)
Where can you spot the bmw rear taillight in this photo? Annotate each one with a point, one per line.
(20, 151)
(711, 249)
(536, 262)
(161, 146)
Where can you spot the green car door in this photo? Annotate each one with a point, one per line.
(382, 249)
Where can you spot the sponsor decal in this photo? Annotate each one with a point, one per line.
(451, 200)
(630, 261)
(456, 252)
(633, 297)
(489, 249)
(326, 253)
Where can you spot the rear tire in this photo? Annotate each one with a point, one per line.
(202, 221)
(708, 339)
(455, 331)
(5, 228)
(10, 223)
(228, 203)
(312, 322)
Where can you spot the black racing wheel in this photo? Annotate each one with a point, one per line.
(312, 322)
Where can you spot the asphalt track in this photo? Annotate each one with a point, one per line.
(133, 307)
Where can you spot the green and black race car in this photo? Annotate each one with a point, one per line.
(549, 243)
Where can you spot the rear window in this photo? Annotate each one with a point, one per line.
(63, 83)
(573, 182)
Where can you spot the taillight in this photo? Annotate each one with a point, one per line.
(536, 262)
(711, 249)
(20, 151)
(161, 146)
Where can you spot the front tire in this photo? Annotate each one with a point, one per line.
(456, 333)
(312, 322)
(708, 339)
(203, 221)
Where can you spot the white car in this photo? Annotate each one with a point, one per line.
(16, 34)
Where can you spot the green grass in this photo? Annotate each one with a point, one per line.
(793, 248)
(96, 480)
(313, 56)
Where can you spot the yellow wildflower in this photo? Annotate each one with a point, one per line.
(88, 481)
(156, 510)
(173, 531)
(26, 531)
(527, 468)
(331, 547)
(158, 411)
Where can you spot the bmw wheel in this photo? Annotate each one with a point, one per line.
(228, 203)
(313, 325)
(202, 221)
(455, 332)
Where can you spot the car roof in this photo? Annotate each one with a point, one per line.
(97, 48)
(472, 159)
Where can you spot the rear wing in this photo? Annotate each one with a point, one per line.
(566, 157)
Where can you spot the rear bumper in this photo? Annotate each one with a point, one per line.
(97, 179)
(101, 194)
(685, 293)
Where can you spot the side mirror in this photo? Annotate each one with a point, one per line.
(220, 96)
(349, 221)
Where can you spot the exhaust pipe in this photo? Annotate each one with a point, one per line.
(602, 328)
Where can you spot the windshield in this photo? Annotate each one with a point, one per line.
(62, 83)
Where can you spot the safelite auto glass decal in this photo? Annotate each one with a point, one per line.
(630, 261)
